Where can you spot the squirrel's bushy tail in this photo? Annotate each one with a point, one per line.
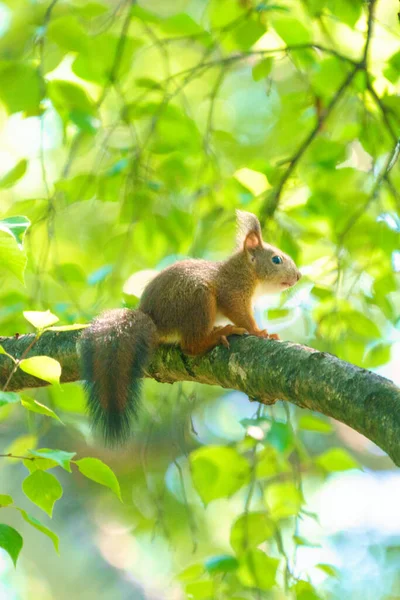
(115, 349)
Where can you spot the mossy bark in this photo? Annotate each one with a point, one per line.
(266, 370)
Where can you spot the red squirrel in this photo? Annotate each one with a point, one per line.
(182, 304)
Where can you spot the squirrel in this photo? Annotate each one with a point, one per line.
(182, 303)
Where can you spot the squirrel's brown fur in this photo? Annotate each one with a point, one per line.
(182, 303)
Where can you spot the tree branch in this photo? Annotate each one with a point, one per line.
(265, 370)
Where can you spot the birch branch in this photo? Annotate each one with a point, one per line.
(265, 370)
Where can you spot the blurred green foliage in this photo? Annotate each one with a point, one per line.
(130, 132)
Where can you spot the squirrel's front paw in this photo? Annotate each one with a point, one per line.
(224, 341)
(229, 330)
(273, 336)
(264, 334)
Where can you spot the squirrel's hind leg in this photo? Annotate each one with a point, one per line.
(216, 337)
(197, 332)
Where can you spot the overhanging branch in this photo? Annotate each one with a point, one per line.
(265, 370)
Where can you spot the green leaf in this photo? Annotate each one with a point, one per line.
(280, 436)
(144, 15)
(182, 24)
(254, 181)
(2, 351)
(43, 464)
(91, 10)
(377, 355)
(43, 489)
(283, 499)
(251, 529)
(13, 175)
(300, 541)
(12, 258)
(200, 590)
(277, 313)
(96, 63)
(313, 423)
(40, 319)
(392, 71)
(5, 500)
(70, 398)
(9, 398)
(270, 462)
(21, 87)
(95, 469)
(10, 541)
(328, 569)
(40, 527)
(68, 33)
(221, 564)
(327, 76)
(262, 69)
(348, 12)
(291, 30)
(43, 367)
(264, 7)
(218, 472)
(223, 12)
(37, 407)
(350, 322)
(175, 132)
(16, 227)
(83, 121)
(321, 292)
(305, 591)
(257, 570)
(336, 459)
(326, 153)
(61, 457)
(192, 572)
(246, 34)
(362, 325)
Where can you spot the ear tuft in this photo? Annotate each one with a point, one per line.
(249, 230)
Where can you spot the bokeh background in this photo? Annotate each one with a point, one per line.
(130, 133)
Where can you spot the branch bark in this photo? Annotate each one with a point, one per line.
(265, 370)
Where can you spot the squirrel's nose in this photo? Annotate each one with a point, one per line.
(298, 275)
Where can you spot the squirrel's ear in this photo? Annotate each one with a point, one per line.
(249, 230)
(251, 241)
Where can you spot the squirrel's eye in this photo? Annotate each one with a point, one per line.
(277, 259)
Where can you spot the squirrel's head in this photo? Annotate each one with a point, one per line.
(274, 270)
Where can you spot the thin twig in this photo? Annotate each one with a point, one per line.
(18, 361)
(269, 207)
(9, 455)
(389, 163)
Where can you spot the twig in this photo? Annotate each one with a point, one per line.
(384, 110)
(18, 361)
(271, 203)
(269, 207)
(9, 455)
(370, 27)
(389, 163)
